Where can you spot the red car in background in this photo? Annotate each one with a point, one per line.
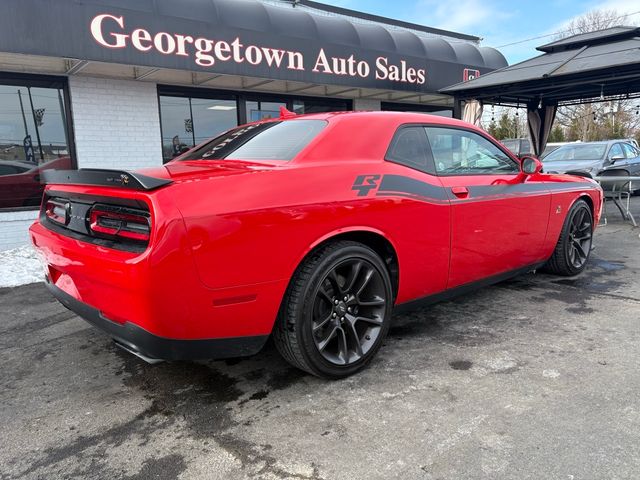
(20, 184)
(311, 229)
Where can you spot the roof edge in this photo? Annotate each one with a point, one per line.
(606, 35)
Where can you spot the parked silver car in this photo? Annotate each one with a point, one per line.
(591, 158)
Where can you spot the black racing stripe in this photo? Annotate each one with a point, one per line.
(572, 186)
(479, 192)
(413, 197)
(397, 184)
(401, 186)
(506, 189)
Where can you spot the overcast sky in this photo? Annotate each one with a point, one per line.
(498, 22)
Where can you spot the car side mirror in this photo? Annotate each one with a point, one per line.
(616, 159)
(530, 165)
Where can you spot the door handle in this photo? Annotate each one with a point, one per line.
(460, 192)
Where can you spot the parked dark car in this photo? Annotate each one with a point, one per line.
(591, 158)
(20, 184)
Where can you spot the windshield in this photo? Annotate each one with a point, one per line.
(261, 141)
(577, 153)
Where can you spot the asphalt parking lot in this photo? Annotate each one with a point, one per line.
(533, 378)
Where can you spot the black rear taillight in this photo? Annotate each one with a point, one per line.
(57, 211)
(119, 223)
(111, 221)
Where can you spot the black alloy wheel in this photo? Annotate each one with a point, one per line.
(580, 238)
(572, 251)
(336, 312)
(348, 311)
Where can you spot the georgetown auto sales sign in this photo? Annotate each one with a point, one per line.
(236, 38)
(208, 52)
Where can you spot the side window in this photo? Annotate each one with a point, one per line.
(7, 170)
(630, 151)
(409, 147)
(461, 152)
(616, 151)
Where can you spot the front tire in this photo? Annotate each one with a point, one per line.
(336, 312)
(572, 251)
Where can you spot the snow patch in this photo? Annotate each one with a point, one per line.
(20, 266)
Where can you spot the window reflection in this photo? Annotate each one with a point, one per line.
(33, 138)
(258, 110)
(188, 121)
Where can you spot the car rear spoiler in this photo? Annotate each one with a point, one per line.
(103, 178)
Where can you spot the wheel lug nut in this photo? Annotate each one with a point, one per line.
(342, 319)
(349, 309)
(334, 315)
(336, 302)
(346, 298)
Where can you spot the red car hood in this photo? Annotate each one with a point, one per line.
(188, 170)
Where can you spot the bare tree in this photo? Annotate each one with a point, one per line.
(592, 21)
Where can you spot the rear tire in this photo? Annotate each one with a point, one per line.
(572, 251)
(336, 311)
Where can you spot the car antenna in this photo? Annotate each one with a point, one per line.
(284, 113)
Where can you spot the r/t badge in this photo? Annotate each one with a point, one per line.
(365, 183)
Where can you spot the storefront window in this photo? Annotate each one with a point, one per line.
(191, 116)
(319, 106)
(188, 121)
(263, 110)
(33, 138)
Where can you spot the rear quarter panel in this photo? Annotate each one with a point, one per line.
(257, 228)
(565, 191)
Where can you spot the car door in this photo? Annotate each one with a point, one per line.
(499, 215)
(616, 157)
(421, 224)
(632, 162)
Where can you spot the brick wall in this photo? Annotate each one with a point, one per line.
(116, 123)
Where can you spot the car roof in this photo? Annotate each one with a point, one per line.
(393, 118)
(588, 144)
(404, 117)
(18, 163)
(375, 131)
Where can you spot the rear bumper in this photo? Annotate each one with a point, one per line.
(153, 347)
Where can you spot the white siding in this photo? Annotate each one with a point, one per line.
(116, 123)
(14, 228)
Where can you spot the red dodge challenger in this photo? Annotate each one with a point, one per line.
(312, 229)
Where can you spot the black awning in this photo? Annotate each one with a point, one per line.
(242, 37)
(586, 66)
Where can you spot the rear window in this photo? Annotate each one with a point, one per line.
(261, 141)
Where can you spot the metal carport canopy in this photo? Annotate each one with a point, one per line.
(585, 66)
(581, 68)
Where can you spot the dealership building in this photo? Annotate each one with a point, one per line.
(126, 84)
